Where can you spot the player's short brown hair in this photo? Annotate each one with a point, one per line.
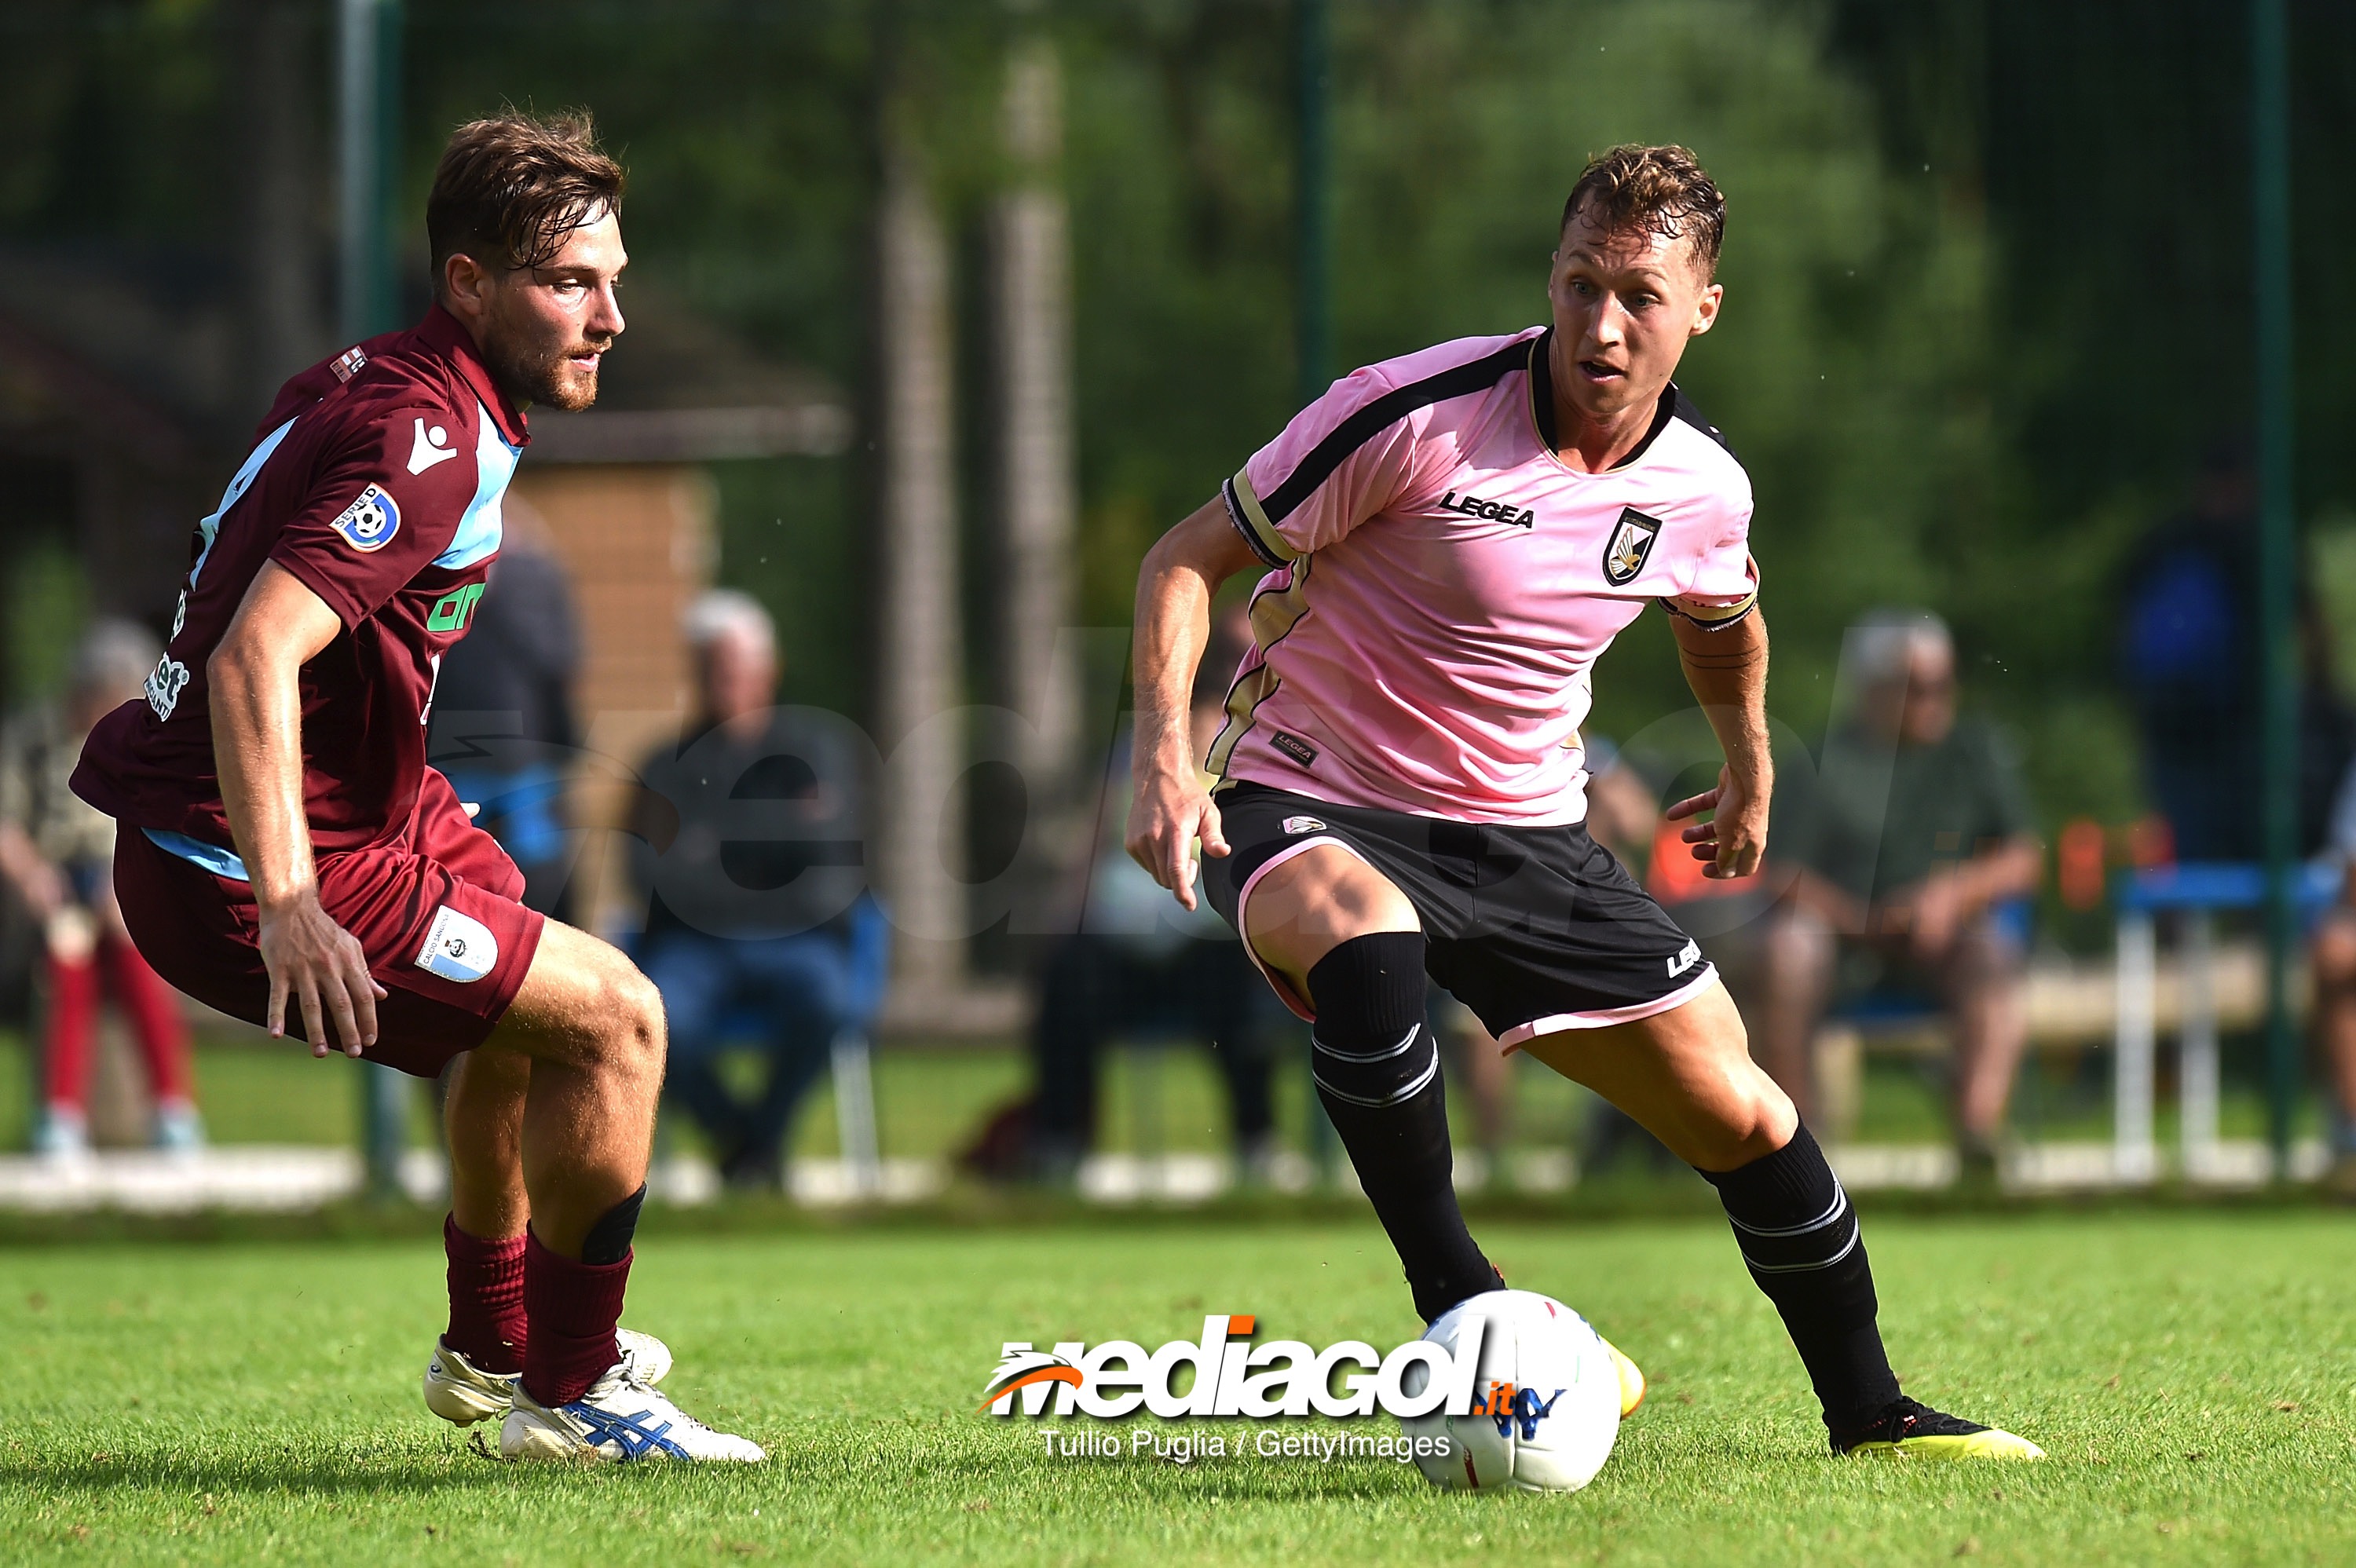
(1661, 190)
(510, 188)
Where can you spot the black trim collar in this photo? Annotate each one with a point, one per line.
(1542, 404)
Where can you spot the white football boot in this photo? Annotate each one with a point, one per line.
(463, 1393)
(620, 1418)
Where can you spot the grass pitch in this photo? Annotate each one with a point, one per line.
(2192, 1374)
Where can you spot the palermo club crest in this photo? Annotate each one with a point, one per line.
(1631, 542)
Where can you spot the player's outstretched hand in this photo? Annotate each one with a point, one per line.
(323, 967)
(1171, 811)
(1735, 838)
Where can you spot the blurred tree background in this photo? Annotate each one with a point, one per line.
(1986, 275)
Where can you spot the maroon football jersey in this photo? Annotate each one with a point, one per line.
(376, 480)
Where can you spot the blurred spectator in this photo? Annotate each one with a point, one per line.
(1909, 849)
(503, 728)
(2332, 954)
(1623, 814)
(2189, 655)
(1139, 964)
(60, 854)
(748, 843)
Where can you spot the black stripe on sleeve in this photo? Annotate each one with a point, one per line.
(1384, 411)
(1242, 524)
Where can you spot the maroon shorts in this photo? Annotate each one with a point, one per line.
(423, 907)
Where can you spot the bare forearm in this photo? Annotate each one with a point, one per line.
(2006, 872)
(1174, 624)
(1175, 587)
(257, 723)
(17, 851)
(1728, 673)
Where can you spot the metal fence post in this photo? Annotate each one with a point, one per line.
(368, 87)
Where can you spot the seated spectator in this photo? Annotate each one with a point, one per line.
(1141, 964)
(749, 846)
(1903, 850)
(60, 854)
(2190, 641)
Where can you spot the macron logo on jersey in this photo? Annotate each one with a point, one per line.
(431, 447)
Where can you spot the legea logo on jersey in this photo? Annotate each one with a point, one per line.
(1472, 505)
(370, 522)
(458, 947)
(1234, 1377)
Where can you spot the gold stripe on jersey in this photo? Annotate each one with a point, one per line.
(1244, 507)
(1273, 616)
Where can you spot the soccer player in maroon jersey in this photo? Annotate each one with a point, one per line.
(1452, 539)
(284, 846)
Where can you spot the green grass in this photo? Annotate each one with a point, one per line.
(258, 1403)
(930, 1100)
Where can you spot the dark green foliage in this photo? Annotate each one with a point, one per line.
(1986, 294)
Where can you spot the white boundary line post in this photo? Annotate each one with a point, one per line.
(854, 1113)
(2197, 1066)
(2133, 1159)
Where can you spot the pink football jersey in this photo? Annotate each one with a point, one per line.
(1443, 584)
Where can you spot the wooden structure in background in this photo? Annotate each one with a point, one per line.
(637, 542)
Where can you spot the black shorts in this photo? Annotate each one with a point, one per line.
(1534, 929)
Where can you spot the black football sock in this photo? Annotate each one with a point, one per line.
(1377, 1073)
(1800, 1237)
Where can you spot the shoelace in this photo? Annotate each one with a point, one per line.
(634, 1384)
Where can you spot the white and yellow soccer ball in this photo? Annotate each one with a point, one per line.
(1547, 1399)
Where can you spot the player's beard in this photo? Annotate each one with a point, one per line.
(542, 373)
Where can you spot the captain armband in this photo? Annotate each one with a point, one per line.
(1244, 511)
(1713, 617)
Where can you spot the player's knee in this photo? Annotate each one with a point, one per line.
(1799, 948)
(1752, 1118)
(629, 1014)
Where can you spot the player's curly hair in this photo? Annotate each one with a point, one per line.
(1662, 190)
(510, 188)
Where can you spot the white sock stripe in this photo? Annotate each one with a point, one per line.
(1406, 1041)
(1854, 1237)
(1830, 1216)
(1408, 1092)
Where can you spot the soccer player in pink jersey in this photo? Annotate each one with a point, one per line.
(1451, 538)
(285, 844)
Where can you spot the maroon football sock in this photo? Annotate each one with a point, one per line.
(487, 1316)
(572, 1308)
